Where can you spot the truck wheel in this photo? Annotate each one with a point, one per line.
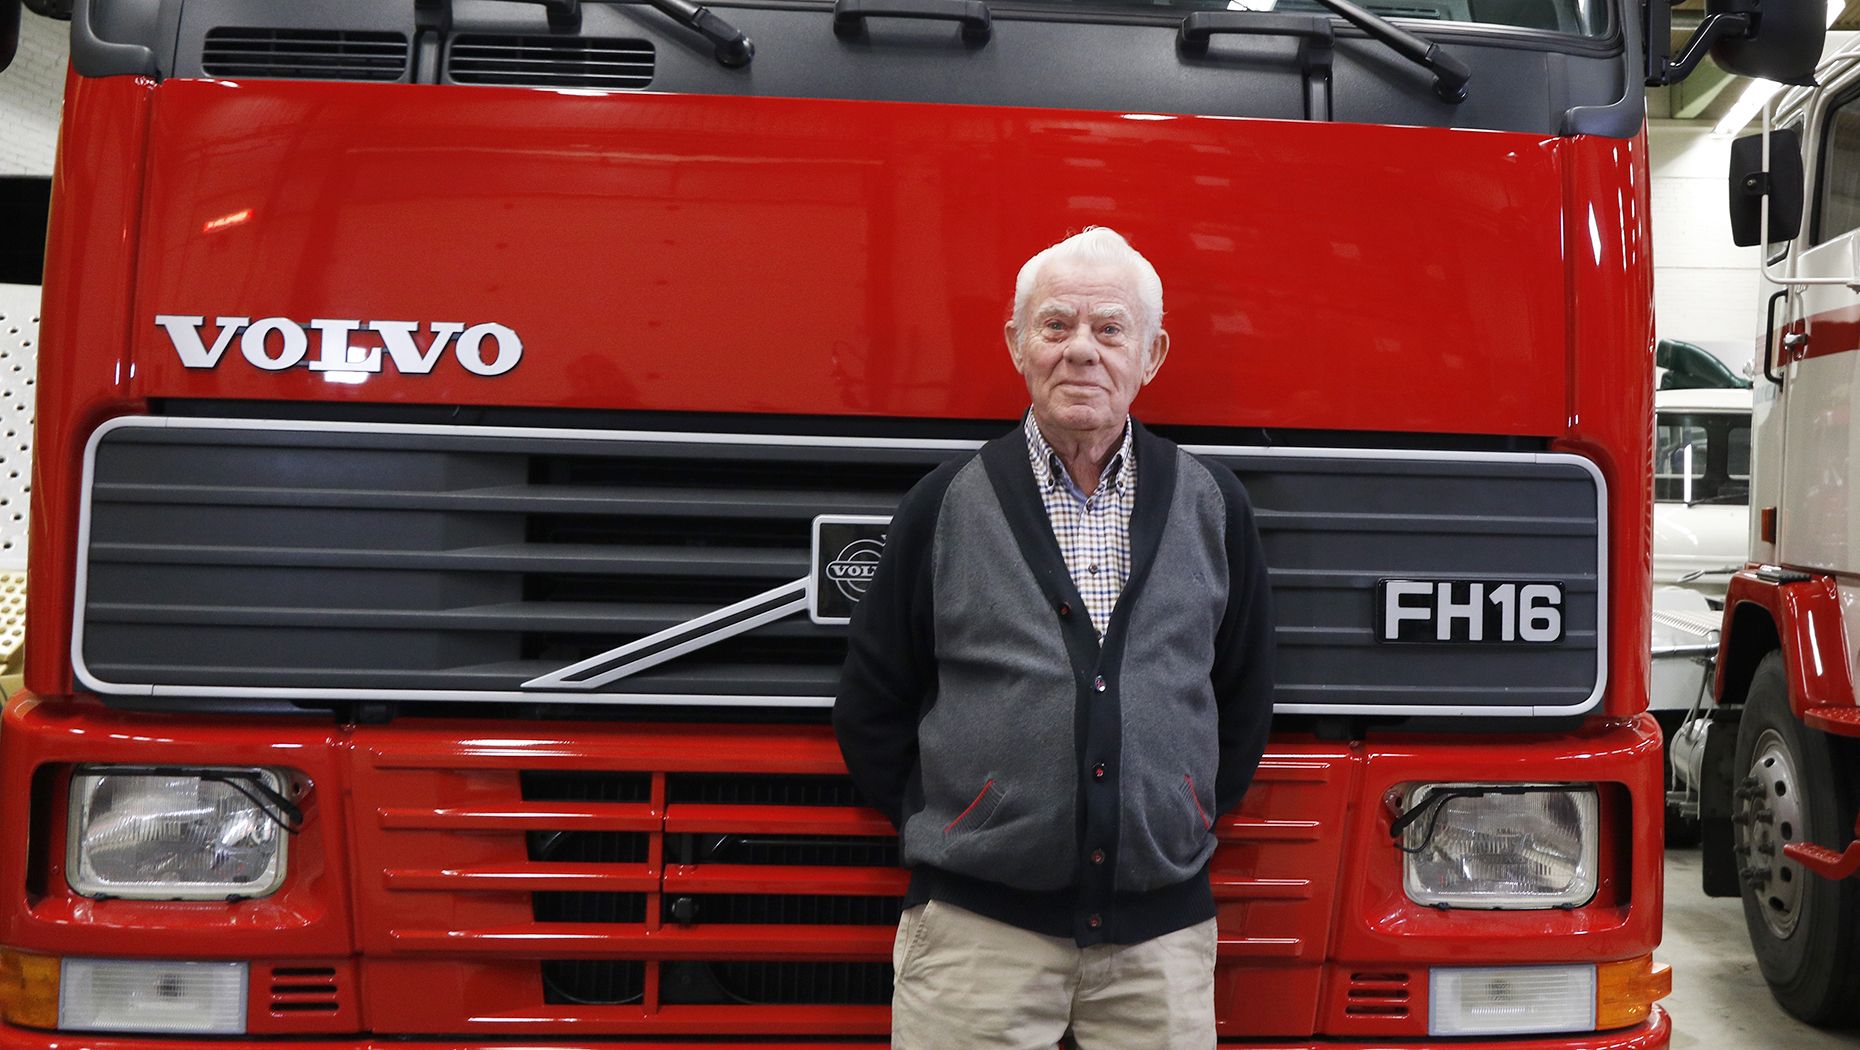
(1797, 786)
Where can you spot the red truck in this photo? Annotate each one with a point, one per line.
(462, 424)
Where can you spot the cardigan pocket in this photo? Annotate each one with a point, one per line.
(978, 812)
(1205, 822)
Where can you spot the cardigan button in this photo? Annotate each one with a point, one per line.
(1065, 610)
(1097, 856)
(1097, 771)
(1100, 684)
(1094, 921)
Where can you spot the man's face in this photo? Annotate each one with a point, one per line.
(1082, 352)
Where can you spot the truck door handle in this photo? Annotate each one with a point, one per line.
(1313, 33)
(977, 26)
(1769, 335)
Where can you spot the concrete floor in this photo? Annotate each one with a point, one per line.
(1719, 1000)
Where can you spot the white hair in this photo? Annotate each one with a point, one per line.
(1095, 244)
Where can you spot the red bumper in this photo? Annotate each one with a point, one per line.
(1652, 1035)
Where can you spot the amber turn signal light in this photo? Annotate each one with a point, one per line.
(1625, 991)
(28, 989)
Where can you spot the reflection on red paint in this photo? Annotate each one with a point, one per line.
(234, 219)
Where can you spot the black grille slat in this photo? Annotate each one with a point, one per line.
(782, 909)
(834, 984)
(311, 54)
(595, 618)
(615, 64)
(593, 982)
(514, 557)
(799, 850)
(587, 847)
(467, 561)
(654, 501)
(760, 789)
(567, 906)
(548, 785)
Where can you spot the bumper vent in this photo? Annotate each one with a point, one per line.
(303, 997)
(1378, 995)
(1374, 1003)
(305, 54)
(547, 61)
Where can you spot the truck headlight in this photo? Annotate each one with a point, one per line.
(174, 834)
(1500, 845)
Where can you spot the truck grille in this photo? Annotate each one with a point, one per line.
(736, 895)
(305, 54)
(326, 562)
(550, 61)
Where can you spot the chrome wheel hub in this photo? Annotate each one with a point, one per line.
(1766, 817)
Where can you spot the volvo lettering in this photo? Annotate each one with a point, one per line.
(277, 343)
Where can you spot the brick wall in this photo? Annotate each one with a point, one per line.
(31, 91)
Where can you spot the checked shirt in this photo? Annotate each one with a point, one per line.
(1093, 531)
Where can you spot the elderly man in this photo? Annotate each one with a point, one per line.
(1059, 677)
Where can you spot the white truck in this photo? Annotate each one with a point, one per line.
(1777, 758)
(1701, 486)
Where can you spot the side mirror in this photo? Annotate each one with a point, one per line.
(1778, 40)
(1783, 43)
(1781, 185)
(9, 31)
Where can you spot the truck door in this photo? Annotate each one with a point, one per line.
(1816, 355)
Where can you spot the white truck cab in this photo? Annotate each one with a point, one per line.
(1701, 488)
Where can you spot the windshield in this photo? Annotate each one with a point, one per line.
(1702, 457)
(1576, 17)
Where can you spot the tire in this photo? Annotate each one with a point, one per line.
(1796, 785)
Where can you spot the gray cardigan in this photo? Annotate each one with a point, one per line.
(1037, 776)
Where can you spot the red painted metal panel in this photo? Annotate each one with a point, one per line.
(757, 878)
(84, 338)
(1608, 254)
(1841, 721)
(866, 253)
(1807, 616)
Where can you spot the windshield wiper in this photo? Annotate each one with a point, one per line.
(732, 47)
(1450, 74)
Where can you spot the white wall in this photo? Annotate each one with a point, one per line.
(1704, 287)
(31, 92)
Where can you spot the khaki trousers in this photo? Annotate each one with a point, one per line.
(968, 983)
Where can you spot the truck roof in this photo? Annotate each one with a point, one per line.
(1702, 400)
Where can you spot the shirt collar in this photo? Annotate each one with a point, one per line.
(1049, 470)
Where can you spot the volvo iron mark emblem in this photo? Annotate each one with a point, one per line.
(850, 543)
(846, 552)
